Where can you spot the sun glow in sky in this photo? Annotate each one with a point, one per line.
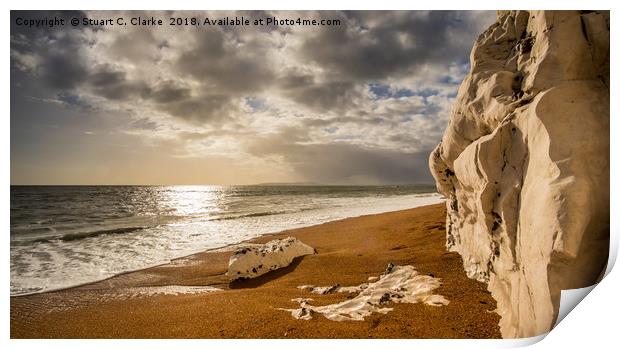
(360, 103)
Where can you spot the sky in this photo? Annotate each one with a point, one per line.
(360, 103)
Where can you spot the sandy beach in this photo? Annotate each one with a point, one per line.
(176, 300)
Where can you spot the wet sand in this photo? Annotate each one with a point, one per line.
(159, 303)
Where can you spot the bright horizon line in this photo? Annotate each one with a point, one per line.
(222, 185)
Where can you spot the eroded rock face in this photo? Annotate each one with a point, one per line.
(524, 162)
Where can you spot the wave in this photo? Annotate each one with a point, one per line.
(79, 236)
(255, 214)
(42, 267)
(272, 213)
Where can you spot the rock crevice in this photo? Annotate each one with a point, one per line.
(524, 162)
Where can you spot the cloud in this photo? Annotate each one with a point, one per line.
(374, 45)
(144, 124)
(361, 101)
(342, 163)
(225, 63)
(201, 110)
(169, 92)
(327, 96)
(113, 84)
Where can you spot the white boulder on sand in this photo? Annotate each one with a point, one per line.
(398, 284)
(251, 261)
(524, 162)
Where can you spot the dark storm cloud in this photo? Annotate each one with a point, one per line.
(114, 85)
(393, 42)
(340, 163)
(374, 46)
(349, 163)
(205, 109)
(225, 64)
(295, 80)
(63, 71)
(59, 49)
(169, 92)
(327, 96)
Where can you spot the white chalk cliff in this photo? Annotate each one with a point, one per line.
(524, 162)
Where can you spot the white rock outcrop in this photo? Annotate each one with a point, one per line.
(524, 162)
(398, 284)
(255, 260)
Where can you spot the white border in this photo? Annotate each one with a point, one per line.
(592, 322)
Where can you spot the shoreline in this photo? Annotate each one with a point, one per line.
(350, 251)
(437, 195)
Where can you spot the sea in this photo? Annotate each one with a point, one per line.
(64, 236)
